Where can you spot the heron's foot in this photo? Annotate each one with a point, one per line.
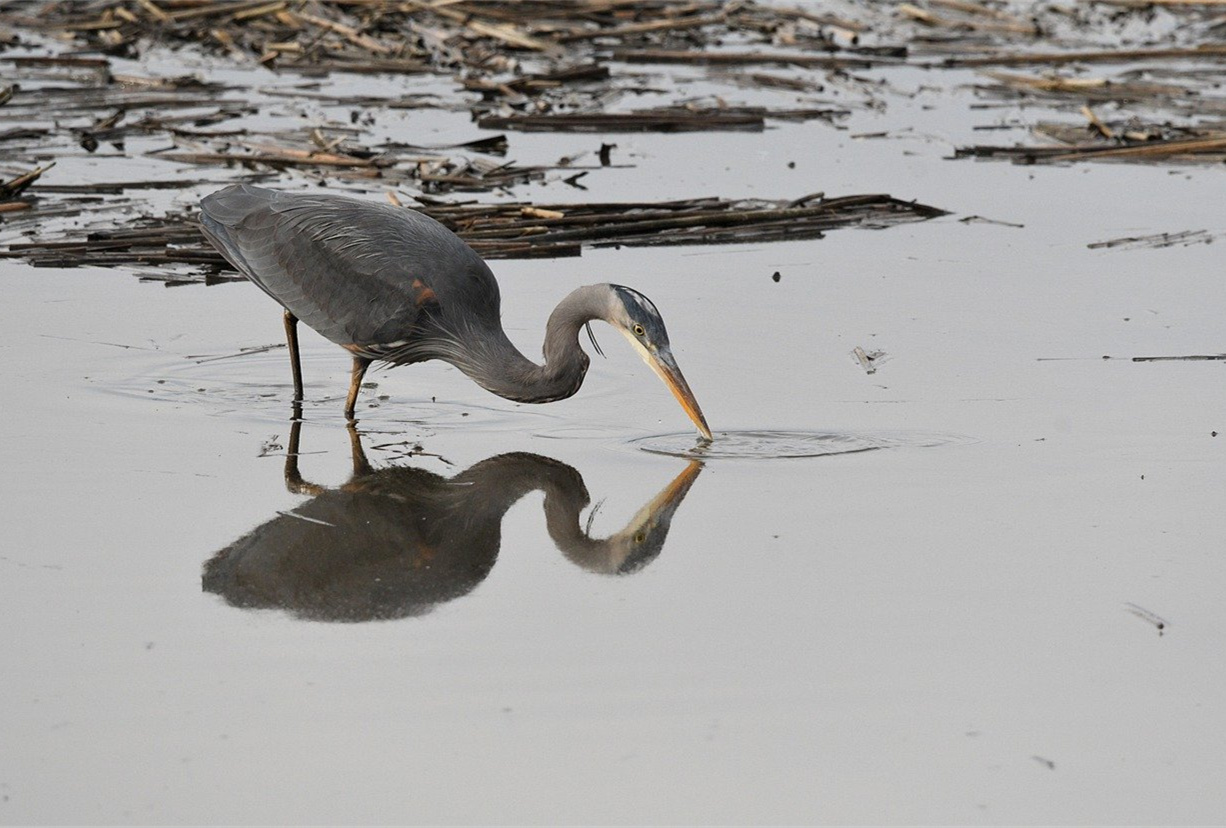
(360, 364)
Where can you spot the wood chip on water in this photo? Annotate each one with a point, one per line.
(537, 212)
(866, 361)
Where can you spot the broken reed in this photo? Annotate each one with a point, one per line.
(1131, 142)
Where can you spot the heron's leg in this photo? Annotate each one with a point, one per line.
(295, 364)
(293, 478)
(361, 466)
(360, 364)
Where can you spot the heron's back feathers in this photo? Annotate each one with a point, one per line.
(360, 273)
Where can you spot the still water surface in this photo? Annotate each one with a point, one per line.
(780, 445)
(935, 630)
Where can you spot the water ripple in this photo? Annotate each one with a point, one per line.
(775, 445)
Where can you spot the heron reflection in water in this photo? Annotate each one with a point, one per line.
(394, 542)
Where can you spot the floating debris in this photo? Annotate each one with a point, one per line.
(183, 121)
(514, 230)
(1145, 615)
(665, 119)
(412, 36)
(1146, 90)
(867, 359)
(984, 220)
(257, 349)
(1156, 240)
(1115, 141)
(1187, 358)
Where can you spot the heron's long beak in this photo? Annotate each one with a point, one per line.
(661, 361)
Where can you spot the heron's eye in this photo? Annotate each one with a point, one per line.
(639, 330)
(640, 537)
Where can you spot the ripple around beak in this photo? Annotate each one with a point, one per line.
(778, 445)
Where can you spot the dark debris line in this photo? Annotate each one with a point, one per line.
(541, 66)
(1128, 70)
(528, 58)
(510, 231)
(115, 110)
(415, 36)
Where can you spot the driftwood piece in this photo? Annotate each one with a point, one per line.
(1206, 52)
(670, 119)
(16, 186)
(749, 58)
(1182, 238)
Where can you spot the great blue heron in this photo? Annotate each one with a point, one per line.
(387, 283)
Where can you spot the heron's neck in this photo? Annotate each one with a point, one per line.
(506, 372)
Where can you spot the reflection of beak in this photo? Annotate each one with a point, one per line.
(661, 361)
(666, 502)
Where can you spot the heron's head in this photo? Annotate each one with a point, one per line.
(636, 317)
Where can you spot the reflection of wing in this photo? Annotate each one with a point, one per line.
(381, 551)
(357, 272)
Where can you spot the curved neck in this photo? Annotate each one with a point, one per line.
(499, 482)
(498, 366)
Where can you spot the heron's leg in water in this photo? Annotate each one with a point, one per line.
(361, 466)
(360, 364)
(291, 339)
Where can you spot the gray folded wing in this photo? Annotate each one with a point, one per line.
(357, 272)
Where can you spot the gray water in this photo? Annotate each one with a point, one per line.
(943, 630)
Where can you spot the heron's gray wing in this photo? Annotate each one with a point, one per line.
(359, 273)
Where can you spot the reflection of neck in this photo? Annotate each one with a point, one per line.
(498, 482)
(501, 481)
(562, 521)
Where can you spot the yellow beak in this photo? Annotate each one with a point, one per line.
(661, 361)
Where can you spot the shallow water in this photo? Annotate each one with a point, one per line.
(939, 632)
(779, 445)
